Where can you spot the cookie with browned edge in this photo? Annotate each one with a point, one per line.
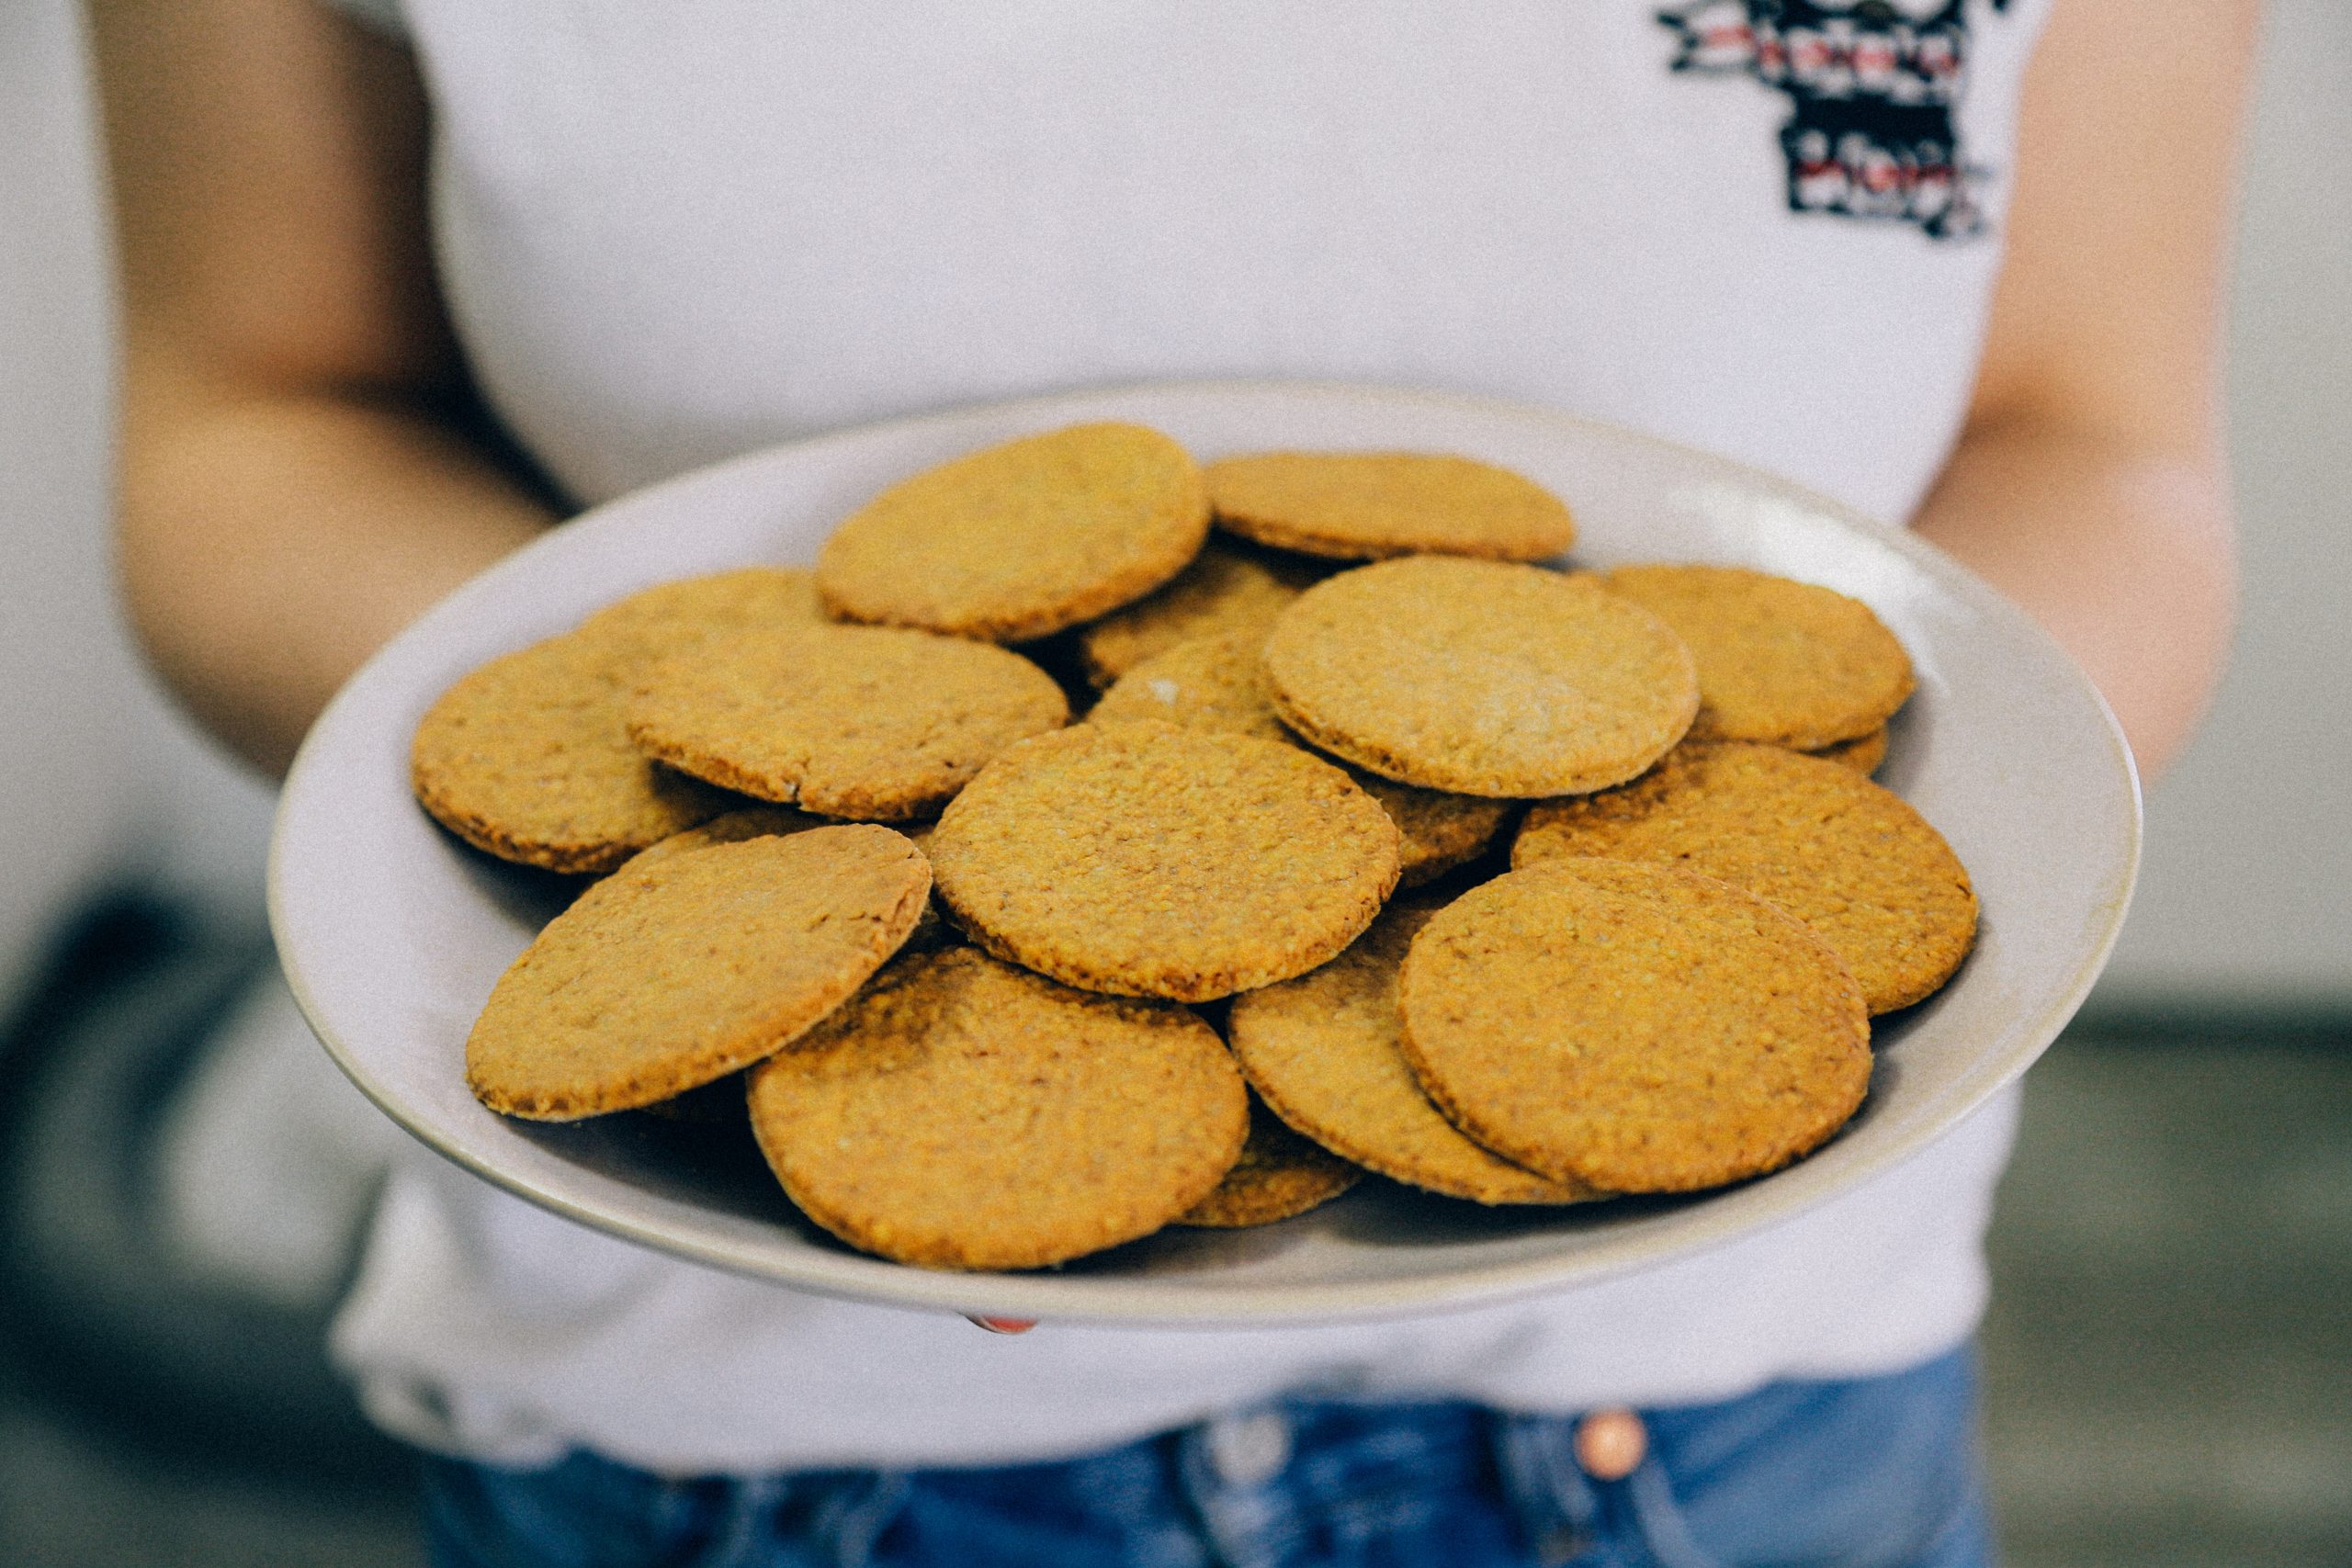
(1366, 505)
(528, 757)
(1640, 1028)
(1788, 663)
(1853, 861)
(1279, 1175)
(1219, 684)
(1021, 539)
(962, 1113)
(1322, 1051)
(668, 975)
(1224, 589)
(1480, 677)
(1145, 860)
(869, 722)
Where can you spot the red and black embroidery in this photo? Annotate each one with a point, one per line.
(1874, 84)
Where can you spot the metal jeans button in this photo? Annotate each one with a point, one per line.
(1611, 1443)
(1248, 1451)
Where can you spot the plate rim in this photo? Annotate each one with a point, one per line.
(1709, 1221)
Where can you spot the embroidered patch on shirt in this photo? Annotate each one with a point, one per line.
(1873, 84)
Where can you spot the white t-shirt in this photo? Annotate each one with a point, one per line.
(671, 234)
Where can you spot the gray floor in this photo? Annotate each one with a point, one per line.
(2170, 1362)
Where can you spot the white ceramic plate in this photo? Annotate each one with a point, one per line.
(392, 933)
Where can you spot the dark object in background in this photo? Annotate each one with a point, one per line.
(103, 1323)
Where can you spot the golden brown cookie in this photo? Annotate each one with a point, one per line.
(1365, 505)
(529, 757)
(1145, 860)
(961, 1113)
(733, 827)
(679, 971)
(664, 619)
(1863, 755)
(1480, 677)
(1322, 1051)
(1640, 1028)
(868, 722)
(1019, 540)
(1225, 590)
(1779, 660)
(1219, 684)
(1279, 1175)
(1851, 859)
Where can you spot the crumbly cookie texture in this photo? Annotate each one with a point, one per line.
(1219, 684)
(528, 757)
(1366, 505)
(868, 722)
(1791, 663)
(1481, 677)
(1145, 860)
(1322, 1051)
(1640, 1028)
(1852, 860)
(961, 1113)
(1224, 589)
(678, 971)
(1279, 1175)
(1021, 539)
(669, 617)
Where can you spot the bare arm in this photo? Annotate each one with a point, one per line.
(2091, 484)
(294, 484)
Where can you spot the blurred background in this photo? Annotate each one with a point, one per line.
(2169, 1354)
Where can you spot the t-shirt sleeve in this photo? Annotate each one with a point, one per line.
(384, 16)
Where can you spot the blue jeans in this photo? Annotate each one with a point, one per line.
(1874, 1472)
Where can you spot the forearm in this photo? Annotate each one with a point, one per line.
(272, 538)
(2126, 554)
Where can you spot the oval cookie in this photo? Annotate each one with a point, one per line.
(677, 972)
(1788, 663)
(529, 758)
(1023, 539)
(961, 1113)
(1219, 684)
(669, 616)
(1640, 1028)
(1279, 1175)
(1480, 677)
(1322, 1051)
(1145, 860)
(1851, 859)
(868, 722)
(1863, 754)
(1224, 589)
(1365, 505)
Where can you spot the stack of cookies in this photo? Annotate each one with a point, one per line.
(1036, 858)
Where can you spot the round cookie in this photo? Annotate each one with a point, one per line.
(528, 757)
(1365, 505)
(1219, 684)
(1852, 860)
(669, 616)
(673, 973)
(868, 722)
(1322, 1051)
(1480, 677)
(1788, 663)
(1640, 1028)
(1278, 1176)
(1863, 755)
(1015, 541)
(1145, 860)
(1224, 589)
(961, 1113)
